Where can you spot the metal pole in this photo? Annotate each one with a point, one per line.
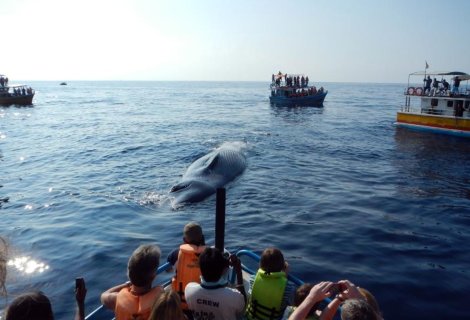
(220, 219)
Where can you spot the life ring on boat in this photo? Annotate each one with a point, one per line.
(419, 91)
(411, 91)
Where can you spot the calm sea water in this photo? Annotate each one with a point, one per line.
(85, 176)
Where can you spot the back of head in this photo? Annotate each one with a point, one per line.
(354, 309)
(167, 306)
(212, 264)
(301, 293)
(31, 305)
(143, 265)
(371, 300)
(192, 233)
(272, 260)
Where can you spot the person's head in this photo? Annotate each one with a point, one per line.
(167, 307)
(143, 264)
(354, 309)
(272, 260)
(192, 234)
(212, 264)
(301, 293)
(31, 305)
(371, 300)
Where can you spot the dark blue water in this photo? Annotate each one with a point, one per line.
(340, 190)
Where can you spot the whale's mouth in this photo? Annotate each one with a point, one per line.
(179, 187)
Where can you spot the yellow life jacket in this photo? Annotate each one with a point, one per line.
(187, 269)
(133, 307)
(266, 296)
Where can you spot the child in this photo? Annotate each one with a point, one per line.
(186, 259)
(134, 299)
(167, 307)
(300, 294)
(270, 290)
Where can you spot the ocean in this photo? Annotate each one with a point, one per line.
(343, 192)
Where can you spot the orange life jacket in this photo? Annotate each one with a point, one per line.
(187, 269)
(133, 307)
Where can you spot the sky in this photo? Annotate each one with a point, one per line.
(221, 40)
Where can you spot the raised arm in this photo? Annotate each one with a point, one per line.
(237, 266)
(319, 292)
(80, 294)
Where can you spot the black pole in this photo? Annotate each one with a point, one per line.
(220, 219)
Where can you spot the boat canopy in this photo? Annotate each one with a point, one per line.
(440, 73)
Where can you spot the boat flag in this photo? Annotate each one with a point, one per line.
(427, 65)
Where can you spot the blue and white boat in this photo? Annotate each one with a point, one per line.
(294, 89)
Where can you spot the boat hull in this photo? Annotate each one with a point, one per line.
(25, 100)
(315, 100)
(437, 123)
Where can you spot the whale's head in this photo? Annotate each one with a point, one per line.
(191, 191)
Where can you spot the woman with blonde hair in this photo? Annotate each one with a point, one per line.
(167, 307)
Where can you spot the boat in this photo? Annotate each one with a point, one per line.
(437, 108)
(18, 94)
(249, 262)
(294, 89)
(63, 83)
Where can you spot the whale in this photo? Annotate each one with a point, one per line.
(209, 172)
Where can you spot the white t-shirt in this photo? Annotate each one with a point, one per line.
(214, 304)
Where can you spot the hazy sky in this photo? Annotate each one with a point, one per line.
(331, 40)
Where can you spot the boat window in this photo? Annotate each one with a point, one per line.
(450, 103)
(434, 102)
(467, 104)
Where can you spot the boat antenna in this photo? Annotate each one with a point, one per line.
(220, 219)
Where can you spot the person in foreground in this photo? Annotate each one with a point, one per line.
(270, 292)
(186, 258)
(134, 299)
(167, 307)
(355, 305)
(36, 305)
(212, 299)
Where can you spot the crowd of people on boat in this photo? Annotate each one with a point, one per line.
(200, 289)
(298, 81)
(434, 87)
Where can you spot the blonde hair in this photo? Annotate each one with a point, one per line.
(167, 307)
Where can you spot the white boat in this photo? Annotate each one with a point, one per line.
(438, 108)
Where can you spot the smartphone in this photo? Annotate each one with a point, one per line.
(79, 283)
(335, 289)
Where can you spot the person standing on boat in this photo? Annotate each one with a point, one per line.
(435, 86)
(427, 84)
(445, 84)
(455, 89)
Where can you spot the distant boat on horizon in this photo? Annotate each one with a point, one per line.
(63, 83)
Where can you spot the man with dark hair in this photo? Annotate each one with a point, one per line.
(212, 299)
(134, 299)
